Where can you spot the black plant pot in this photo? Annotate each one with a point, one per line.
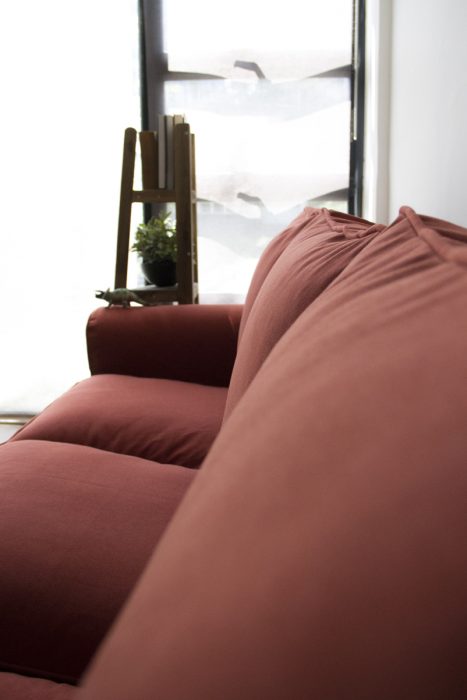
(162, 273)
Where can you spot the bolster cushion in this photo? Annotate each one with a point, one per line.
(191, 342)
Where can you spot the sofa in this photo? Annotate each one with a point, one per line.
(266, 500)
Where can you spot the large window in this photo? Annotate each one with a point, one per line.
(267, 90)
(70, 86)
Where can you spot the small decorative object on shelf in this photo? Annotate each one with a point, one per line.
(156, 245)
(120, 297)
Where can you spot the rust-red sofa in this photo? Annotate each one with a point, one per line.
(266, 501)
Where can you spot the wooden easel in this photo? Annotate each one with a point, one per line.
(185, 291)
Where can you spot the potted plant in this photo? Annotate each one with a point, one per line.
(156, 245)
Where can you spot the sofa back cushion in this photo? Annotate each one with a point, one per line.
(297, 266)
(320, 552)
(269, 256)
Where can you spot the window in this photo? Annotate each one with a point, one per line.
(70, 87)
(267, 93)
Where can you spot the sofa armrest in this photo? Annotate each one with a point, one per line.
(194, 343)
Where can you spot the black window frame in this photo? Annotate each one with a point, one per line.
(357, 126)
(154, 63)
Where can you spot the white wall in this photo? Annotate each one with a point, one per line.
(423, 86)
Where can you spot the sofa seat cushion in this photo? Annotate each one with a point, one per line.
(341, 570)
(77, 526)
(324, 242)
(16, 687)
(158, 419)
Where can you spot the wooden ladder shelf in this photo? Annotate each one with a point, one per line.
(185, 291)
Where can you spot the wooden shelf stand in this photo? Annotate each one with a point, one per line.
(185, 291)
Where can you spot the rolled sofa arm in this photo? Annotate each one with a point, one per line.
(194, 343)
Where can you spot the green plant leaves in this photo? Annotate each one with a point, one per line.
(157, 239)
